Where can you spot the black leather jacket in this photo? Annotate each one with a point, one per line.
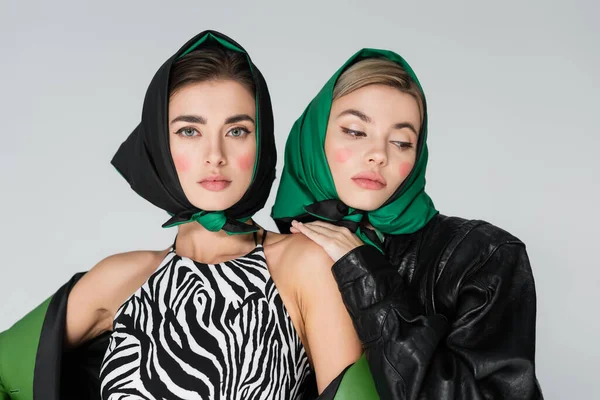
(448, 313)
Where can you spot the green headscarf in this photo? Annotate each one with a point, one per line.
(307, 190)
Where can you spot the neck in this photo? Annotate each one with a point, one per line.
(198, 243)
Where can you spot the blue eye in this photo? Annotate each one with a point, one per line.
(187, 132)
(238, 132)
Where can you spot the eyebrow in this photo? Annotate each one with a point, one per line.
(197, 119)
(402, 125)
(365, 118)
(239, 118)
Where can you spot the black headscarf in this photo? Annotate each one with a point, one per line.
(145, 161)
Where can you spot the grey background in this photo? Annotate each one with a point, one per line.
(512, 91)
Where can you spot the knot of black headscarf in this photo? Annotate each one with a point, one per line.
(340, 214)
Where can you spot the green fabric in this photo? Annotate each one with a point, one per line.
(357, 383)
(18, 350)
(210, 36)
(215, 220)
(306, 178)
(3, 390)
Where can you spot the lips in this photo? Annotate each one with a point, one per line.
(215, 183)
(369, 180)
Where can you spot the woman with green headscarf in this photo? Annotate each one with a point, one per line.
(445, 307)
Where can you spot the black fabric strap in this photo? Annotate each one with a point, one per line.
(264, 237)
(331, 389)
(48, 360)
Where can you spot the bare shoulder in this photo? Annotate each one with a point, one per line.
(297, 252)
(95, 298)
(117, 276)
(123, 265)
(302, 266)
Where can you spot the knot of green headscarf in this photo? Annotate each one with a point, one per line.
(307, 188)
(214, 221)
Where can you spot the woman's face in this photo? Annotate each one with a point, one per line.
(213, 144)
(371, 144)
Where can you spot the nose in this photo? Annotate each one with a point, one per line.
(215, 155)
(376, 155)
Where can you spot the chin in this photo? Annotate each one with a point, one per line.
(213, 201)
(216, 205)
(213, 207)
(368, 204)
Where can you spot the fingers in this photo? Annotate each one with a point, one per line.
(339, 229)
(310, 233)
(326, 225)
(323, 230)
(334, 241)
(341, 233)
(327, 229)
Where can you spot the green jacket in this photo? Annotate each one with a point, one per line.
(34, 363)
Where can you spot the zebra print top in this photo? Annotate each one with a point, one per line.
(205, 331)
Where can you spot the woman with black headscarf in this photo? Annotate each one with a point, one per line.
(445, 307)
(224, 313)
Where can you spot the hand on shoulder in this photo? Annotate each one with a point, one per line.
(336, 241)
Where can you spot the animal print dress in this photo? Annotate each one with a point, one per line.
(205, 331)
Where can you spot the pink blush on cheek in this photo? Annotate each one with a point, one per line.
(245, 162)
(182, 163)
(405, 169)
(342, 155)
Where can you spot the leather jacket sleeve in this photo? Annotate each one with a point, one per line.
(482, 346)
